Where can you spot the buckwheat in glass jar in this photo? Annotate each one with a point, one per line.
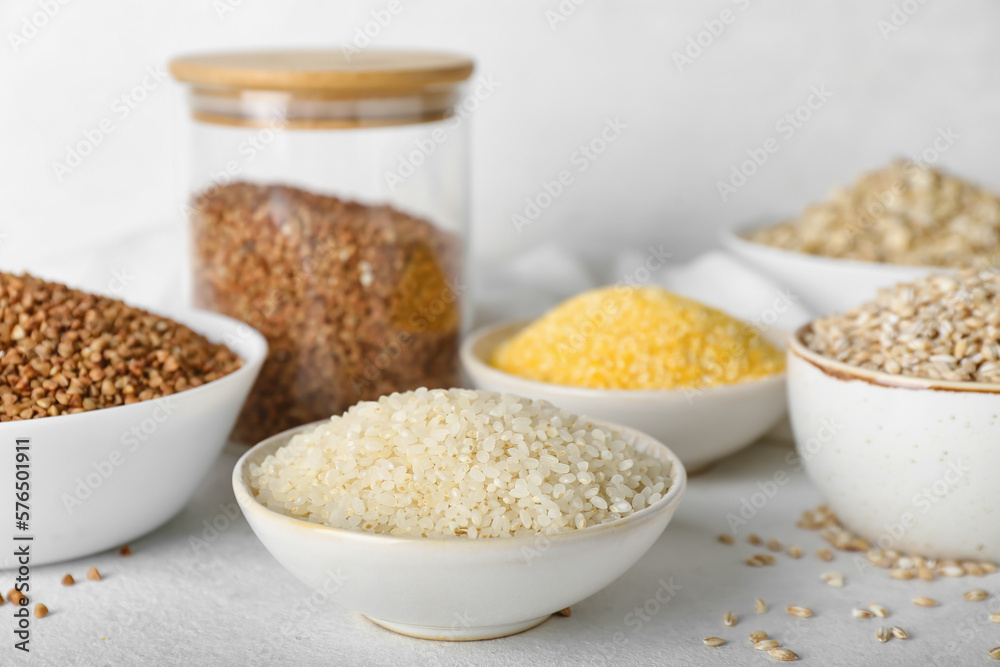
(329, 211)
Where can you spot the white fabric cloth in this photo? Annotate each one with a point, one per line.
(543, 276)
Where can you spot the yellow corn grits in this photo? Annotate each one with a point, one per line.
(637, 338)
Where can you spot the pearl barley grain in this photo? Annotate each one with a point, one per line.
(933, 219)
(898, 333)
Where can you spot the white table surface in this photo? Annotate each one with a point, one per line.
(225, 601)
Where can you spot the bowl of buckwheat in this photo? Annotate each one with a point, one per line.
(112, 414)
(892, 225)
(895, 407)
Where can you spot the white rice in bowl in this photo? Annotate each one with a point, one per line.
(458, 462)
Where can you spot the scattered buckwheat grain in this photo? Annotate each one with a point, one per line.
(93, 574)
(68, 580)
(41, 611)
(125, 550)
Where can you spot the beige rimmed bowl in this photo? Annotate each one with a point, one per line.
(909, 464)
(458, 588)
(701, 426)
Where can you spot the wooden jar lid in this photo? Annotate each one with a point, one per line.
(371, 72)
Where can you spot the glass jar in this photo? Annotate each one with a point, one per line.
(329, 212)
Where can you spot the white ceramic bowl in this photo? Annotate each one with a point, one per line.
(99, 479)
(908, 464)
(700, 426)
(825, 284)
(455, 588)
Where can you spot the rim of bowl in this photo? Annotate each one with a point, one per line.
(668, 502)
(482, 367)
(734, 237)
(258, 344)
(841, 371)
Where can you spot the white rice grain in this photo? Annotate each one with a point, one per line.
(458, 462)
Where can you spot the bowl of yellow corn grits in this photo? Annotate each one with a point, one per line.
(691, 376)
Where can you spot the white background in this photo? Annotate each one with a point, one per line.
(559, 82)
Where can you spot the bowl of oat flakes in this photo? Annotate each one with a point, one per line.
(112, 415)
(895, 407)
(892, 225)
